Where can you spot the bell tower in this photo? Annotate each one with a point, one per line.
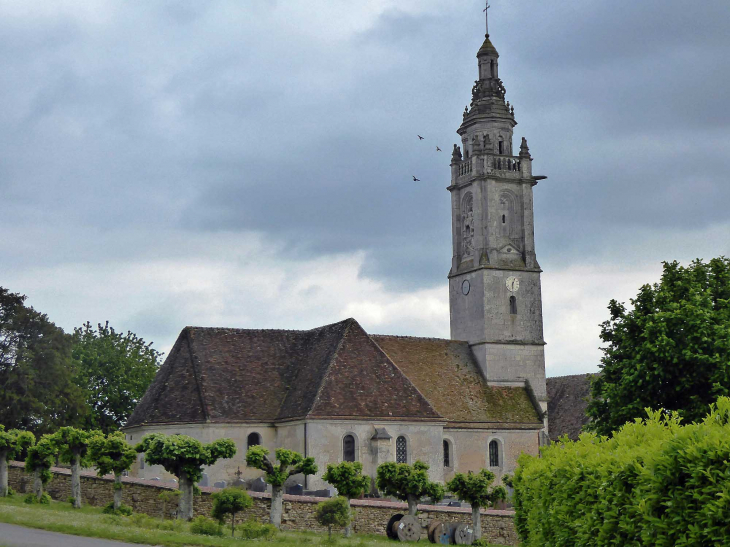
(494, 283)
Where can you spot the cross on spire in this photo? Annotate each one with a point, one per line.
(486, 16)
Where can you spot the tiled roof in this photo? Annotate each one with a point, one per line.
(446, 373)
(239, 375)
(567, 401)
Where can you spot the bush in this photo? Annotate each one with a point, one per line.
(230, 501)
(255, 530)
(11, 492)
(334, 512)
(31, 498)
(124, 510)
(654, 483)
(205, 527)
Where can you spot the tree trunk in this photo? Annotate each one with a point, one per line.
(37, 484)
(233, 524)
(117, 491)
(476, 520)
(76, 480)
(277, 497)
(348, 528)
(3, 473)
(185, 504)
(412, 505)
(329, 531)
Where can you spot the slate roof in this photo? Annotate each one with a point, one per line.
(487, 48)
(567, 402)
(446, 372)
(336, 371)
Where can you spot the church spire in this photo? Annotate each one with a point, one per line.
(486, 18)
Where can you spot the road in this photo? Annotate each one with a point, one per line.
(18, 536)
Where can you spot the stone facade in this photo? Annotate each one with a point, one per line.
(371, 516)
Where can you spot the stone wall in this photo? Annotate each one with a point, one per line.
(371, 516)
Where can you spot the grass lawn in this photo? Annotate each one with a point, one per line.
(91, 522)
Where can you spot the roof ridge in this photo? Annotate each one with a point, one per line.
(197, 374)
(583, 374)
(405, 336)
(348, 324)
(236, 329)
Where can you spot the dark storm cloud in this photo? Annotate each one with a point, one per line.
(215, 117)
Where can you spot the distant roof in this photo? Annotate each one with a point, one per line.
(567, 402)
(336, 371)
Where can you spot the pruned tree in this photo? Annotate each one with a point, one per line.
(39, 461)
(184, 457)
(230, 501)
(290, 463)
(408, 483)
(112, 454)
(347, 477)
(477, 489)
(334, 512)
(73, 445)
(12, 443)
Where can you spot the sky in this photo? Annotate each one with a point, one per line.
(249, 164)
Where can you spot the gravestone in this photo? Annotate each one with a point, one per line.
(327, 493)
(296, 490)
(220, 484)
(259, 485)
(203, 480)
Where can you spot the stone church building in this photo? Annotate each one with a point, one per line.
(338, 393)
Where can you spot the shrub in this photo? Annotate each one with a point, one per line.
(45, 499)
(654, 483)
(230, 501)
(205, 526)
(334, 512)
(255, 530)
(124, 510)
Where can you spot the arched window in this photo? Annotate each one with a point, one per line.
(447, 454)
(493, 454)
(401, 450)
(513, 305)
(501, 146)
(348, 448)
(254, 439)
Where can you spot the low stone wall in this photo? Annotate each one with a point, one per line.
(371, 516)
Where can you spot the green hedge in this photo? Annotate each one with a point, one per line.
(654, 483)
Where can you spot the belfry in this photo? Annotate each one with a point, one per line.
(494, 282)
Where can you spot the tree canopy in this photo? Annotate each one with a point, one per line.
(476, 488)
(114, 370)
(408, 482)
(671, 351)
(37, 392)
(13, 442)
(290, 463)
(111, 453)
(230, 501)
(347, 477)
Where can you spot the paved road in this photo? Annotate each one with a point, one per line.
(18, 536)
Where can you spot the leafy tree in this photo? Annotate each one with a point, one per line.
(184, 457)
(671, 351)
(39, 461)
(477, 490)
(334, 512)
(347, 477)
(230, 501)
(12, 443)
(114, 370)
(290, 463)
(36, 369)
(408, 483)
(111, 454)
(73, 445)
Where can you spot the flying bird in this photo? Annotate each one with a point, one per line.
(420, 138)
(416, 180)
(438, 149)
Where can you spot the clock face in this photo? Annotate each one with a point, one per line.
(465, 286)
(513, 284)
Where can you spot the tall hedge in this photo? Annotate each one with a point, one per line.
(655, 483)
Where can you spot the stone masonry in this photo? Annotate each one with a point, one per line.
(371, 516)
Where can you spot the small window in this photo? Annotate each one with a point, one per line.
(501, 147)
(447, 454)
(348, 448)
(254, 439)
(491, 68)
(141, 461)
(513, 305)
(504, 219)
(401, 450)
(493, 454)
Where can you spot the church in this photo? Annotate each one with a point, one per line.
(337, 393)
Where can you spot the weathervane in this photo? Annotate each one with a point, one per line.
(486, 16)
